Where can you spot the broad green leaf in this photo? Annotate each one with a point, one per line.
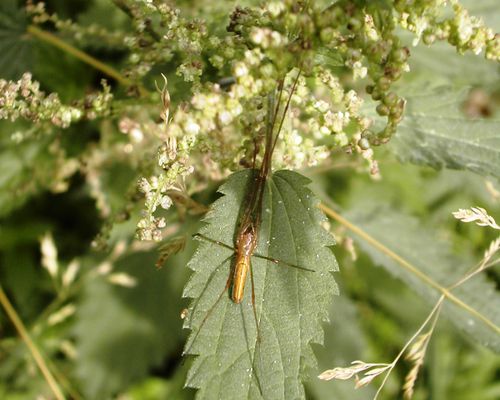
(15, 47)
(441, 63)
(433, 257)
(123, 332)
(290, 303)
(435, 132)
(329, 58)
(344, 339)
(27, 168)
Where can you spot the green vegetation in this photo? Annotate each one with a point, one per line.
(129, 130)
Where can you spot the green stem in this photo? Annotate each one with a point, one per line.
(37, 356)
(435, 311)
(86, 58)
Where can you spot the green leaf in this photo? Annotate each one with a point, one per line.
(344, 338)
(290, 303)
(433, 257)
(123, 332)
(15, 47)
(441, 62)
(329, 58)
(434, 132)
(27, 168)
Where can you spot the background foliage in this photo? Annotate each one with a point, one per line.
(108, 322)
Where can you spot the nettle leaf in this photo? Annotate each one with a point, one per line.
(27, 168)
(329, 58)
(435, 132)
(231, 362)
(434, 259)
(15, 46)
(123, 332)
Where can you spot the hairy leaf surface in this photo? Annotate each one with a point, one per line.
(435, 132)
(290, 303)
(435, 259)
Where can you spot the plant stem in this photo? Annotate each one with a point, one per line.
(37, 356)
(86, 58)
(408, 266)
(436, 309)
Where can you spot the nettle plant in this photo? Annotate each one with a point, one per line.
(283, 86)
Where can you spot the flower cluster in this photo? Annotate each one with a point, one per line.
(24, 99)
(222, 126)
(463, 31)
(156, 40)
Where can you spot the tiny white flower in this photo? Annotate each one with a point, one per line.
(296, 138)
(359, 71)
(337, 120)
(225, 117)
(122, 279)
(257, 35)
(119, 249)
(70, 273)
(156, 235)
(62, 314)
(161, 223)
(104, 268)
(276, 38)
(275, 8)
(354, 102)
(150, 196)
(69, 349)
(144, 185)
(76, 113)
(136, 135)
(240, 69)
(154, 182)
(199, 101)
(299, 157)
(324, 130)
(49, 254)
(321, 106)
(66, 117)
(192, 127)
(465, 25)
(166, 202)
(370, 30)
(237, 109)
(163, 159)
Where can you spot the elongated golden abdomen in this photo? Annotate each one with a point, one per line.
(245, 245)
(239, 278)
